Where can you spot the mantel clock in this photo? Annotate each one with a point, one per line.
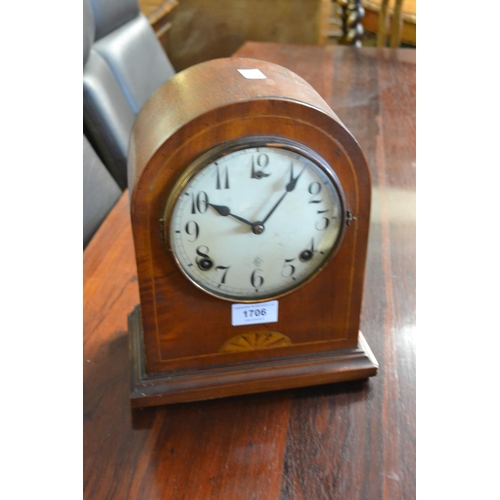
(250, 205)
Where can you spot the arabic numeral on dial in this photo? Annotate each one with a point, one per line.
(262, 162)
(199, 203)
(225, 269)
(288, 270)
(323, 223)
(205, 263)
(222, 181)
(192, 229)
(256, 280)
(314, 189)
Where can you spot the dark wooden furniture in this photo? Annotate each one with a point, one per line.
(354, 440)
(209, 29)
(351, 13)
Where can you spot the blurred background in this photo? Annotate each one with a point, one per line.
(131, 47)
(192, 31)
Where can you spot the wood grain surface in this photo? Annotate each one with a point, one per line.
(345, 441)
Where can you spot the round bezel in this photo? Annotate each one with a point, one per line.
(227, 148)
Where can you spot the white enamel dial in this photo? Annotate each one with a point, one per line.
(253, 222)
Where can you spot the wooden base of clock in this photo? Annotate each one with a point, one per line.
(151, 389)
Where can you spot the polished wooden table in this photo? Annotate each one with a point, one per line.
(347, 441)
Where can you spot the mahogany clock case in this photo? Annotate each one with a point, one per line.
(178, 334)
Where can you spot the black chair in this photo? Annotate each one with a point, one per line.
(123, 63)
(100, 192)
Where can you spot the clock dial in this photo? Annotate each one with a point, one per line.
(250, 222)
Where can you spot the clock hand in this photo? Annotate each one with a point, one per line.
(288, 188)
(274, 208)
(225, 211)
(293, 181)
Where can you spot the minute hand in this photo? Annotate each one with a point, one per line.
(288, 188)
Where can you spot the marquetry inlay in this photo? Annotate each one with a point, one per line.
(255, 340)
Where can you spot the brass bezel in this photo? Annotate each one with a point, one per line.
(232, 146)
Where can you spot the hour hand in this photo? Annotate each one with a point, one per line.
(293, 180)
(225, 211)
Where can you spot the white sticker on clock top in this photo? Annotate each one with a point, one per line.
(251, 314)
(252, 74)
